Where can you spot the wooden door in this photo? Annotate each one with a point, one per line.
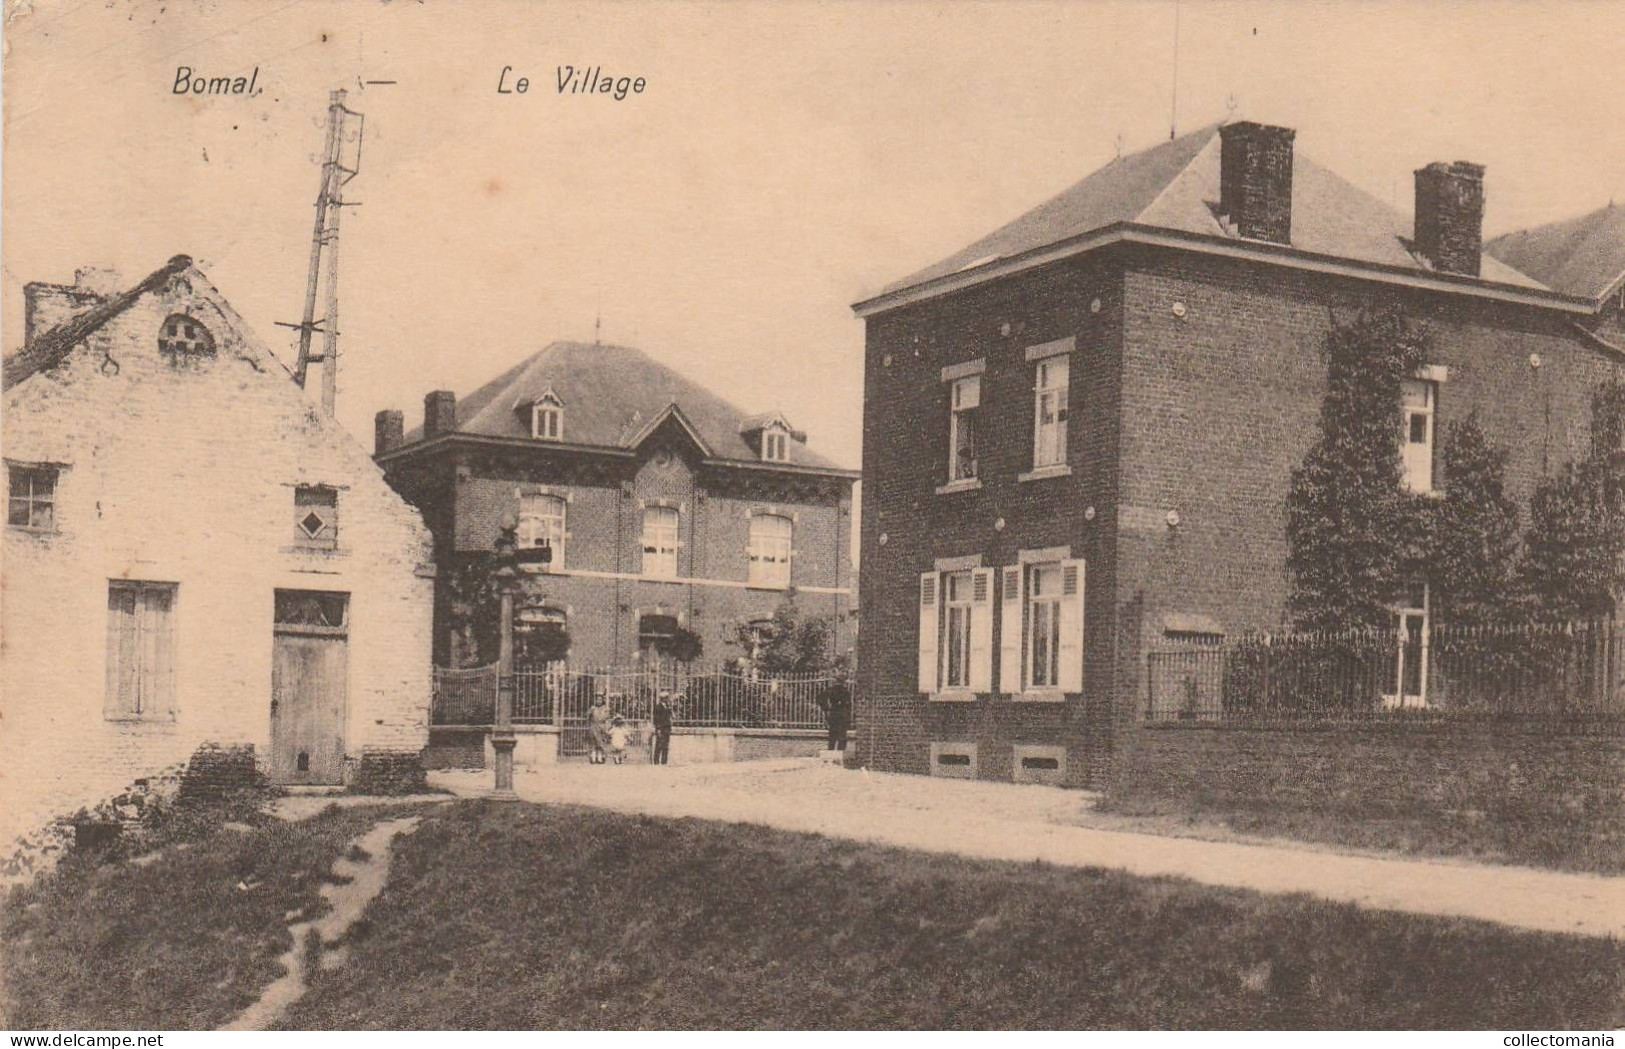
(309, 675)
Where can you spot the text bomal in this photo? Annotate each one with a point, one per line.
(576, 80)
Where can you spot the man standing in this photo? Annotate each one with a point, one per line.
(837, 703)
(662, 719)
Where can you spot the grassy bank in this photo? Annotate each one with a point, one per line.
(184, 942)
(521, 916)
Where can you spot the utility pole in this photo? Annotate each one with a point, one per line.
(330, 203)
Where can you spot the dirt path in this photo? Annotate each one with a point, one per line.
(361, 879)
(1023, 823)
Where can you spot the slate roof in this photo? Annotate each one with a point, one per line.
(611, 396)
(1175, 186)
(1580, 256)
(48, 350)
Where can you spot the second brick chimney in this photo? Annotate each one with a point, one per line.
(1450, 216)
(439, 413)
(1255, 180)
(388, 431)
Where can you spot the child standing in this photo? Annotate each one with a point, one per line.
(618, 736)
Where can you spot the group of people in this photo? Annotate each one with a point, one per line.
(608, 733)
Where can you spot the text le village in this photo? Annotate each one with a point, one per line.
(573, 80)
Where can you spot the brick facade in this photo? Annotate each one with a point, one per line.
(183, 472)
(1196, 386)
(466, 491)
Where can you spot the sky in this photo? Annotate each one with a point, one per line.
(784, 160)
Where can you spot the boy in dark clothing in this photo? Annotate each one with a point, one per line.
(662, 724)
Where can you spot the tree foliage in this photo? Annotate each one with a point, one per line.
(1576, 537)
(793, 643)
(1473, 532)
(1353, 535)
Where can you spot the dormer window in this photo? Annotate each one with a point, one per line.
(775, 445)
(183, 336)
(547, 418)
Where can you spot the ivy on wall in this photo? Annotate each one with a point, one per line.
(1357, 539)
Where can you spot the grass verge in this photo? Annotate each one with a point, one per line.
(1498, 838)
(519, 917)
(184, 942)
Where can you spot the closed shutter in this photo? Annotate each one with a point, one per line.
(1071, 648)
(118, 701)
(928, 632)
(981, 630)
(160, 631)
(1010, 630)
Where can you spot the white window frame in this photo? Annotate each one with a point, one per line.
(1417, 457)
(771, 552)
(775, 444)
(957, 604)
(964, 403)
(661, 527)
(1052, 388)
(31, 500)
(1049, 679)
(547, 420)
(1406, 613)
(542, 521)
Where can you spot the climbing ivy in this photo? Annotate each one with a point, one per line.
(1576, 539)
(1353, 534)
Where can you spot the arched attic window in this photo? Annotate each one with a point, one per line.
(185, 337)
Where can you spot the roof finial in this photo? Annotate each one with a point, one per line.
(597, 328)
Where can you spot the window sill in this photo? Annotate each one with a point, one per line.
(140, 719)
(969, 484)
(956, 695)
(1038, 696)
(766, 586)
(1044, 472)
(37, 533)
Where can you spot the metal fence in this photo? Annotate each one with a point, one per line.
(1556, 672)
(716, 697)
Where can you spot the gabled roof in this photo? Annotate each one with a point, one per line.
(1580, 256)
(48, 350)
(616, 396)
(1175, 186)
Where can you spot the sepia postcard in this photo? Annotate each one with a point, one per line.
(813, 516)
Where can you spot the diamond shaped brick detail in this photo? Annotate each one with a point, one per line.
(313, 524)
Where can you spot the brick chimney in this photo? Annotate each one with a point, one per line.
(388, 429)
(1255, 180)
(1450, 216)
(439, 413)
(47, 306)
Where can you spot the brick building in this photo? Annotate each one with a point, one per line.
(663, 506)
(1079, 431)
(194, 553)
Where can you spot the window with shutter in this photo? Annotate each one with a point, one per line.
(981, 631)
(140, 651)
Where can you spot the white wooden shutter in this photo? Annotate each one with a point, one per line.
(981, 630)
(928, 631)
(120, 638)
(1071, 629)
(1010, 619)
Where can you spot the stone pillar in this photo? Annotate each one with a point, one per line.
(503, 740)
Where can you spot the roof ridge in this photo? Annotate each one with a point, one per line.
(49, 348)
